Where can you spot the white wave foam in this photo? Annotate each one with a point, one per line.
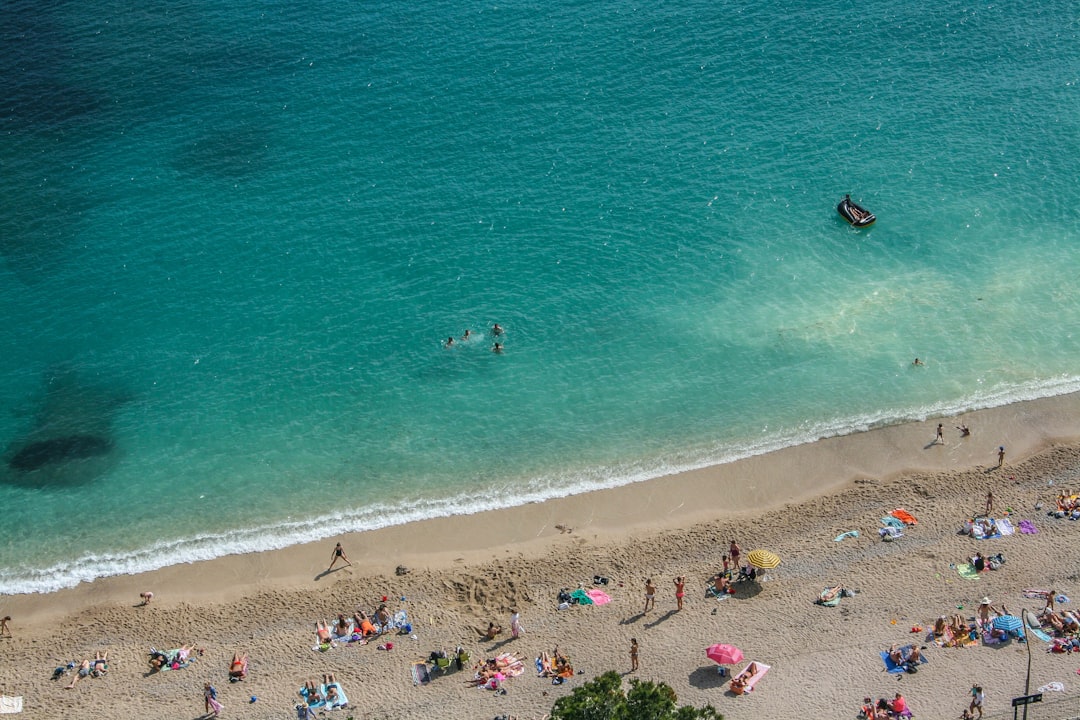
(89, 567)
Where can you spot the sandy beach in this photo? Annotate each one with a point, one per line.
(466, 571)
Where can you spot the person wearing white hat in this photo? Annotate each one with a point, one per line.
(984, 611)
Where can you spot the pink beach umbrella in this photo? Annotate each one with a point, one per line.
(724, 654)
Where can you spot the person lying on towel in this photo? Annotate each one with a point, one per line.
(739, 682)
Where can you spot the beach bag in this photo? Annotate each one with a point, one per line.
(911, 668)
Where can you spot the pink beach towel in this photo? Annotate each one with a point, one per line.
(599, 597)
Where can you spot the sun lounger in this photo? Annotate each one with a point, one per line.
(762, 668)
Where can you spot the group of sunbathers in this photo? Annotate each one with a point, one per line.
(492, 672)
(327, 694)
(173, 659)
(905, 656)
(884, 709)
(96, 667)
(1068, 505)
(359, 627)
(555, 666)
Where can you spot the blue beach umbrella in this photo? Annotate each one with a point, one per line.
(1008, 623)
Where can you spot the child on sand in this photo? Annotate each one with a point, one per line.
(146, 597)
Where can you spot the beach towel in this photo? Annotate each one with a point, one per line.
(891, 522)
(1038, 632)
(849, 533)
(1028, 528)
(967, 571)
(1035, 594)
(980, 531)
(9, 705)
(1005, 526)
(762, 668)
(420, 674)
(1052, 687)
(904, 516)
(582, 598)
(599, 597)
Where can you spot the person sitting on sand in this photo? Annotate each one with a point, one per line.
(382, 616)
(491, 633)
(739, 682)
(914, 657)
(342, 628)
(896, 654)
(959, 625)
(238, 667)
(898, 705)
(719, 586)
(939, 626)
(364, 626)
(83, 671)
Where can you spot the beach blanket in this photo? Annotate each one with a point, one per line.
(849, 533)
(1035, 594)
(420, 674)
(9, 705)
(762, 668)
(1005, 526)
(904, 516)
(1028, 528)
(174, 662)
(967, 571)
(582, 597)
(599, 597)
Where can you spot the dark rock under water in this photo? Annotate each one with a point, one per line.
(38, 454)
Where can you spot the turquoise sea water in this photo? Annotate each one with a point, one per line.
(234, 237)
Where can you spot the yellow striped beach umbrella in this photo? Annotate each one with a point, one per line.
(763, 559)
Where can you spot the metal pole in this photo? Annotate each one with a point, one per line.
(1027, 641)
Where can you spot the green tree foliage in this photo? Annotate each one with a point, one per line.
(603, 699)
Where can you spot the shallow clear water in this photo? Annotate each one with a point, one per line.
(234, 238)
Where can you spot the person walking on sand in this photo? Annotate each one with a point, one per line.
(989, 502)
(680, 586)
(940, 436)
(1001, 455)
(146, 597)
(339, 553)
(650, 595)
(633, 655)
(977, 699)
(213, 707)
(5, 631)
(516, 628)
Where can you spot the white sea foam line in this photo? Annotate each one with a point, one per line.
(538, 489)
